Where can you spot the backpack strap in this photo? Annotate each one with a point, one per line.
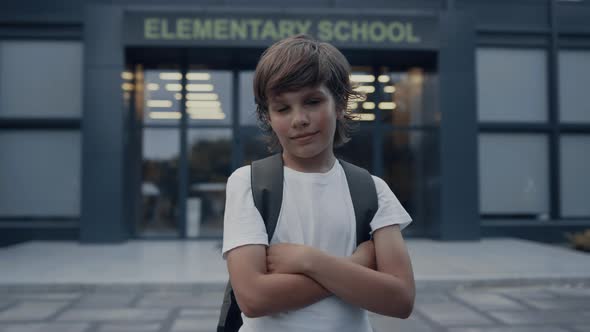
(364, 198)
(267, 190)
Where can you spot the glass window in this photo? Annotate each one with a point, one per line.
(161, 148)
(408, 98)
(255, 145)
(411, 169)
(209, 156)
(574, 80)
(359, 150)
(365, 82)
(209, 96)
(40, 173)
(511, 85)
(513, 175)
(575, 182)
(162, 91)
(247, 104)
(40, 79)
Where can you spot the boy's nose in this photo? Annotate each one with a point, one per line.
(300, 118)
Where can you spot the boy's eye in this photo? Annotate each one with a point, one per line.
(282, 109)
(313, 101)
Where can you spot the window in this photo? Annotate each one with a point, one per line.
(511, 85)
(574, 178)
(574, 80)
(513, 175)
(40, 173)
(40, 79)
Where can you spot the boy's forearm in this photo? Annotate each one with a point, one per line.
(285, 292)
(378, 292)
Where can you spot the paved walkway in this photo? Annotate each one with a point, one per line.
(487, 286)
(490, 261)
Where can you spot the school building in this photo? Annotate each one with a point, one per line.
(123, 119)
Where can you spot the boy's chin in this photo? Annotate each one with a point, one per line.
(306, 152)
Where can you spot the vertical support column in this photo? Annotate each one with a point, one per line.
(103, 128)
(459, 202)
(553, 101)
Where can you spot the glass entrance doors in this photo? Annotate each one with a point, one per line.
(186, 151)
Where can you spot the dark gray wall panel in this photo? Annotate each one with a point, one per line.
(458, 130)
(103, 43)
(399, 4)
(507, 14)
(574, 17)
(103, 130)
(102, 157)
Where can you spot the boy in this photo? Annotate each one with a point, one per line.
(311, 278)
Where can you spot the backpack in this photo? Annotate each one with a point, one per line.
(267, 191)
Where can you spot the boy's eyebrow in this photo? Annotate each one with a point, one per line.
(277, 97)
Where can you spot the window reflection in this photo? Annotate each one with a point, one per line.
(159, 186)
(209, 96)
(358, 150)
(364, 109)
(407, 98)
(255, 145)
(209, 162)
(411, 169)
(162, 91)
(247, 104)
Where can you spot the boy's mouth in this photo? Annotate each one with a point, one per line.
(304, 135)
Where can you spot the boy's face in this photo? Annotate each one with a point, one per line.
(304, 122)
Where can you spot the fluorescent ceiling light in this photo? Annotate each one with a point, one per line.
(387, 106)
(364, 116)
(383, 78)
(365, 89)
(171, 76)
(159, 103)
(389, 89)
(165, 115)
(203, 103)
(201, 96)
(362, 78)
(198, 76)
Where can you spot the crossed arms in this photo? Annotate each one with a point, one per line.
(377, 277)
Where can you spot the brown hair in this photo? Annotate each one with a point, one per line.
(297, 62)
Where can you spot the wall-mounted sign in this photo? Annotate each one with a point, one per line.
(181, 29)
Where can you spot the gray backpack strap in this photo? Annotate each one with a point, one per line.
(364, 198)
(267, 189)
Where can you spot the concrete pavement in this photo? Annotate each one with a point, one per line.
(172, 286)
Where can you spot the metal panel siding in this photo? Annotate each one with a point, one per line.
(103, 129)
(508, 14)
(458, 149)
(102, 166)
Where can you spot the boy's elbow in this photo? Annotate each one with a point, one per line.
(251, 307)
(407, 307)
(407, 310)
(253, 310)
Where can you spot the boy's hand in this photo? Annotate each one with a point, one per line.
(288, 258)
(365, 255)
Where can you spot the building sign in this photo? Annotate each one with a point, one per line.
(223, 30)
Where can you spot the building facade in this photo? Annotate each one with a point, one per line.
(123, 119)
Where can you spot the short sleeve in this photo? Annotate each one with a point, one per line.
(242, 223)
(390, 211)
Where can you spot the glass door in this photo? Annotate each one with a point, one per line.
(186, 150)
(159, 99)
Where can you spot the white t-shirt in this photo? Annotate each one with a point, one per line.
(316, 211)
